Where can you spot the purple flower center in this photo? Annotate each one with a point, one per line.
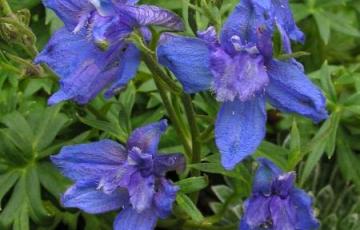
(102, 25)
(268, 224)
(239, 76)
(143, 162)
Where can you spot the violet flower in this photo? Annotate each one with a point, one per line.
(109, 176)
(275, 203)
(241, 71)
(90, 53)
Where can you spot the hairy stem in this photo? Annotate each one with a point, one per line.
(157, 72)
(196, 145)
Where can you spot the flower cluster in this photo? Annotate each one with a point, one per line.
(91, 51)
(276, 203)
(242, 72)
(109, 176)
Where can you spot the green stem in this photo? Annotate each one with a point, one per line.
(22, 61)
(208, 134)
(157, 72)
(209, 14)
(195, 134)
(192, 21)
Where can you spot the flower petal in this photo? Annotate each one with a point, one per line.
(291, 91)
(104, 7)
(283, 216)
(141, 190)
(243, 22)
(168, 162)
(129, 218)
(147, 137)
(191, 68)
(165, 198)
(107, 31)
(239, 129)
(129, 2)
(209, 35)
(71, 12)
(146, 15)
(84, 196)
(62, 52)
(129, 65)
(281, 13)
(304, 213)
(83, 85)
(120, 177)
(266, 173)
(256, 212)
(83, 68)
(283, 184)
(90, 161)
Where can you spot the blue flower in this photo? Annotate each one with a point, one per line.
(275, 202)
(109, 176)
(90, 52)
(241, 71)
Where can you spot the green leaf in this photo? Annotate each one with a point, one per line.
(105, 126)
(189, 207)
(193, 184)
(22, 220)
(352, 100)
(51, 179)
(21, 4)
(300, 11)
(52, 121)
(32, 187)
(323, 24)
(324, 140)
(295, 147)
(13, 150)
(222, 192)
(25, 201)
(215, 168)
(127, 101)
(146, 87)
(273, 152)
(7, 181)
(54, 148)
(349, 163)
(312, 160)
(328, 3)
(342, 24)
(148, 117)
(36, 85)
(15, 204)
(326, 82)
(331, 142)
(19, 126)
(53, 20)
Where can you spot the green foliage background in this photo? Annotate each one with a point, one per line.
(325, 156)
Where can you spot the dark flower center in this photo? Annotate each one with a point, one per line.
(268, 224)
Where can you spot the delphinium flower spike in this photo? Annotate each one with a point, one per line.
(241, 71)
(109, 176)
(276, 203)
(90, 52)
